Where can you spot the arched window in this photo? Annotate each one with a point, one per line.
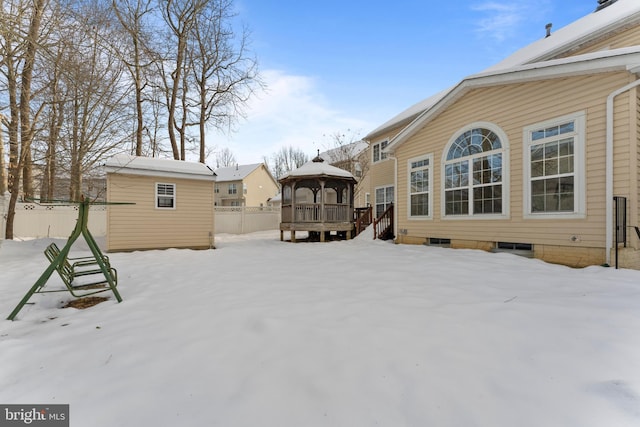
(474, 175)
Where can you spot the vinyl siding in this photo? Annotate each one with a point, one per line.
(381, 174)
(512, 108)
(260, 187)
(625, 38)
(142, 226)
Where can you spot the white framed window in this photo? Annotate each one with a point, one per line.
(217, 188)
(233, 189)
(554, 181)
(475, 173)
(244, 188)
(420, 179)
(377, 148)
(367, 199)
(165, 196)
(384, 198)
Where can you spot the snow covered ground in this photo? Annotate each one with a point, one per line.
(361, 333)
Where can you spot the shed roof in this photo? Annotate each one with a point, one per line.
(153, 166)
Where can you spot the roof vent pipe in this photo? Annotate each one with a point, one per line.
(604, 3)
(548, 27)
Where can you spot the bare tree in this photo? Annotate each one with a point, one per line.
(347, 152)
(225, 158)
(95, 82)
(20, 31)
(3, 175)
(224, 74)
(180, 17)
(285, 160)
(131, 16)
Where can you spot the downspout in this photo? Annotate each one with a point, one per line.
(609, 167)
(395, 195)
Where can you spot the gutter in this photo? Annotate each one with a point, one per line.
(609, 167)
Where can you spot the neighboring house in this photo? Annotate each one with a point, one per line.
(527, 155)
(173, 204)
(245, 185)
(354, 158)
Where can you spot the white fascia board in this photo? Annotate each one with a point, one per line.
(584, 65)
(160, 174)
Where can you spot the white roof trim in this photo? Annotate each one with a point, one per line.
(166, 168)
(593, 63)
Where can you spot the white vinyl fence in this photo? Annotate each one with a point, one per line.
(33, 220)
(242, 220)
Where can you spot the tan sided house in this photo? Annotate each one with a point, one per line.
(174, 204)
(245, 185)
(528, 155)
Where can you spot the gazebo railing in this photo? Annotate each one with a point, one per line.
(312, 212)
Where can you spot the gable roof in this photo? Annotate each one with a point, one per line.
(587, 29)
(353, 149)
(624, 59)
(616, 16)
(153, 166)
(236, 173)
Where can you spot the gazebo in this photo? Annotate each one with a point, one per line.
(317, 198)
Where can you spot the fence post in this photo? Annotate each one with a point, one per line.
(4, 207)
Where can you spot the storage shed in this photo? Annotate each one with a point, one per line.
(174, 204)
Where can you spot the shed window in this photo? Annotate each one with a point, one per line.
(165, 196)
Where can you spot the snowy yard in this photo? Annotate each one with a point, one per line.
(264, 333)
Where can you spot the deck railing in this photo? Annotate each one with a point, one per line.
(383, 225)
(312, 212)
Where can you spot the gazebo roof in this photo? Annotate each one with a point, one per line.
(317, 168)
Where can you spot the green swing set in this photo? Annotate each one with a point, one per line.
(74, 271)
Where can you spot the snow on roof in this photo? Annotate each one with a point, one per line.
(125, 163)
(235, 173)
(336, 154)
(590, 27)
(322, 168)
(627, 58)
(407, 115)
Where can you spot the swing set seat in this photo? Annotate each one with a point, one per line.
(71, 269)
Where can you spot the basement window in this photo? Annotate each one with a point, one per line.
(522, 249)
(437, 241)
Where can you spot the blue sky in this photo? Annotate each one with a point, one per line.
(349, 66)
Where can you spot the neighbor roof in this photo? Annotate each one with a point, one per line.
(618, 15)
(236, 173)
(153, 166)
(353, 149)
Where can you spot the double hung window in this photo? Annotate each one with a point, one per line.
(384, 198)
(420, 179)
(554, 157)
(378, 154)
(165, 196)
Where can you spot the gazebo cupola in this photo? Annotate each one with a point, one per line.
(317, 198)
